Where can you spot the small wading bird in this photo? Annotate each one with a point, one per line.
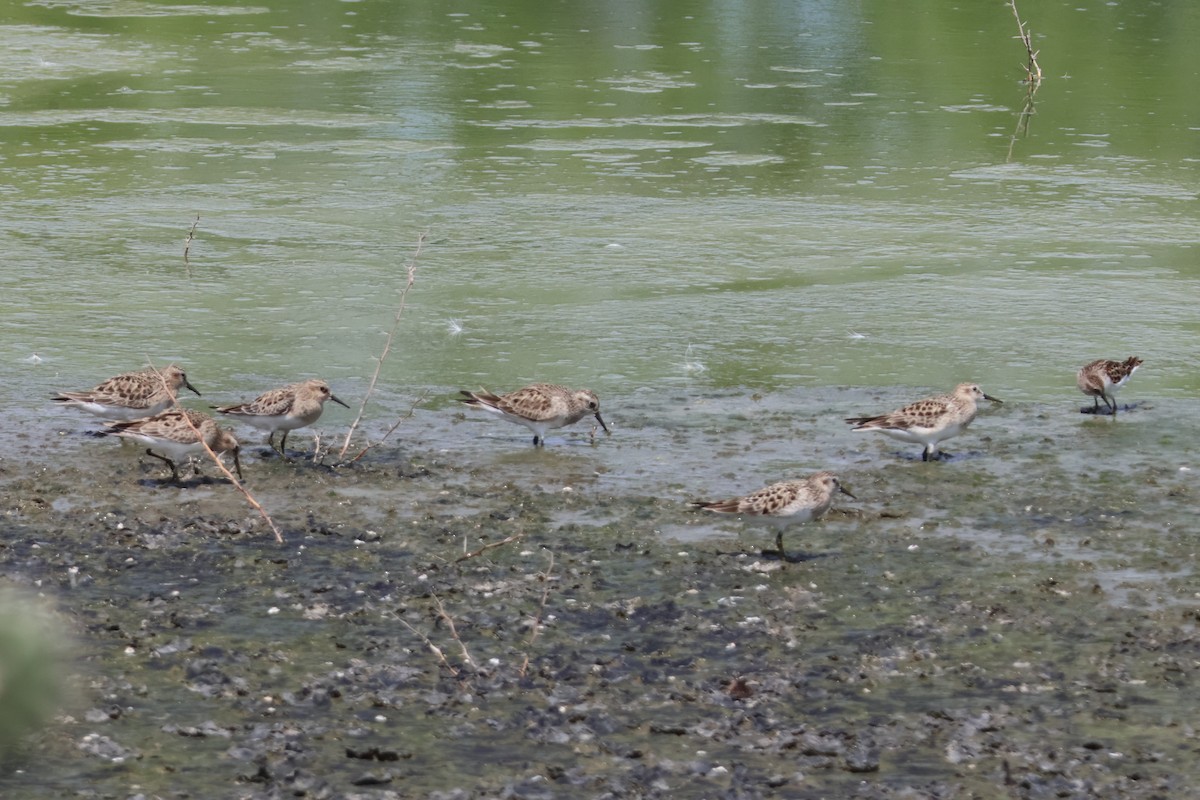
(284, 409)
(1101, 379)
(782, 504)
(928, 421)
(178, 434)
(539, 407)
(133, 395)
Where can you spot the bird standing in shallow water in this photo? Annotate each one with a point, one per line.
(539, 407)
(1101, 379)
(928, 421)
(782, 504)
(178, 434)
(132, 395)
(284, 409)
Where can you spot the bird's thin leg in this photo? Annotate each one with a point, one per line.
(170, 463)
(283, 446)
(778, 546)
(1112, 404)
(538, 441)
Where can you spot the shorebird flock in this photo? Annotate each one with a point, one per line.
(141, 406)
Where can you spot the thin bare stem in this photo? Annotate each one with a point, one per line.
(433, 648)
(387, 345)
(1022, 129)
(1033, 79)
(490, 545)
(220, 464)
(537, 620)
(454, 632)
(412, 409)
(187, 245)
(1033, 71)
(262, 512)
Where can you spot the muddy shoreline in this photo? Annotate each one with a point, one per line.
(981, 640)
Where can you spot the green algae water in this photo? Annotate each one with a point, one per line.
(811, 195)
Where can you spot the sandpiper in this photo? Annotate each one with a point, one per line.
(133, 395)
(178, 433)
(539, 407)
(928, 421)
(284, 409)
(782, 504)
(1101, 379)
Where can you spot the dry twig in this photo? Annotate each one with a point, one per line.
(490, 545)
(433, 648)
(187, 245)
(411, 410)
(1022, 129)
(537, 620)
(257, 506)
(466, 655)
(1033, 79)
(1033, 71)
(387, 346)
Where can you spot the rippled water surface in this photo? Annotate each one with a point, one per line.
(634, 195)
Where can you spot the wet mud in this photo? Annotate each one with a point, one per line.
(1015, 621)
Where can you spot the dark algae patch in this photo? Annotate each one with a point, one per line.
(431, 628)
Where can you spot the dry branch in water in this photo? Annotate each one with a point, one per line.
(387, 347)
(1033, 71)
(1033, 79)
(1022, 129)
(191, 238)
(187, 245)
(221, 464)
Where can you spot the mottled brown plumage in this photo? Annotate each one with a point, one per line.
(284, 409)
(1101, 379)
(928, 421)
(539, 407)
(132, 395)
(178, 433)
(783, 504)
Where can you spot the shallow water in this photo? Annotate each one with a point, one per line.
(650, 196)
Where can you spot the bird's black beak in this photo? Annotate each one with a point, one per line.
(336, 400)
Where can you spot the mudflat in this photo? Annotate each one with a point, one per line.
(435, 626)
